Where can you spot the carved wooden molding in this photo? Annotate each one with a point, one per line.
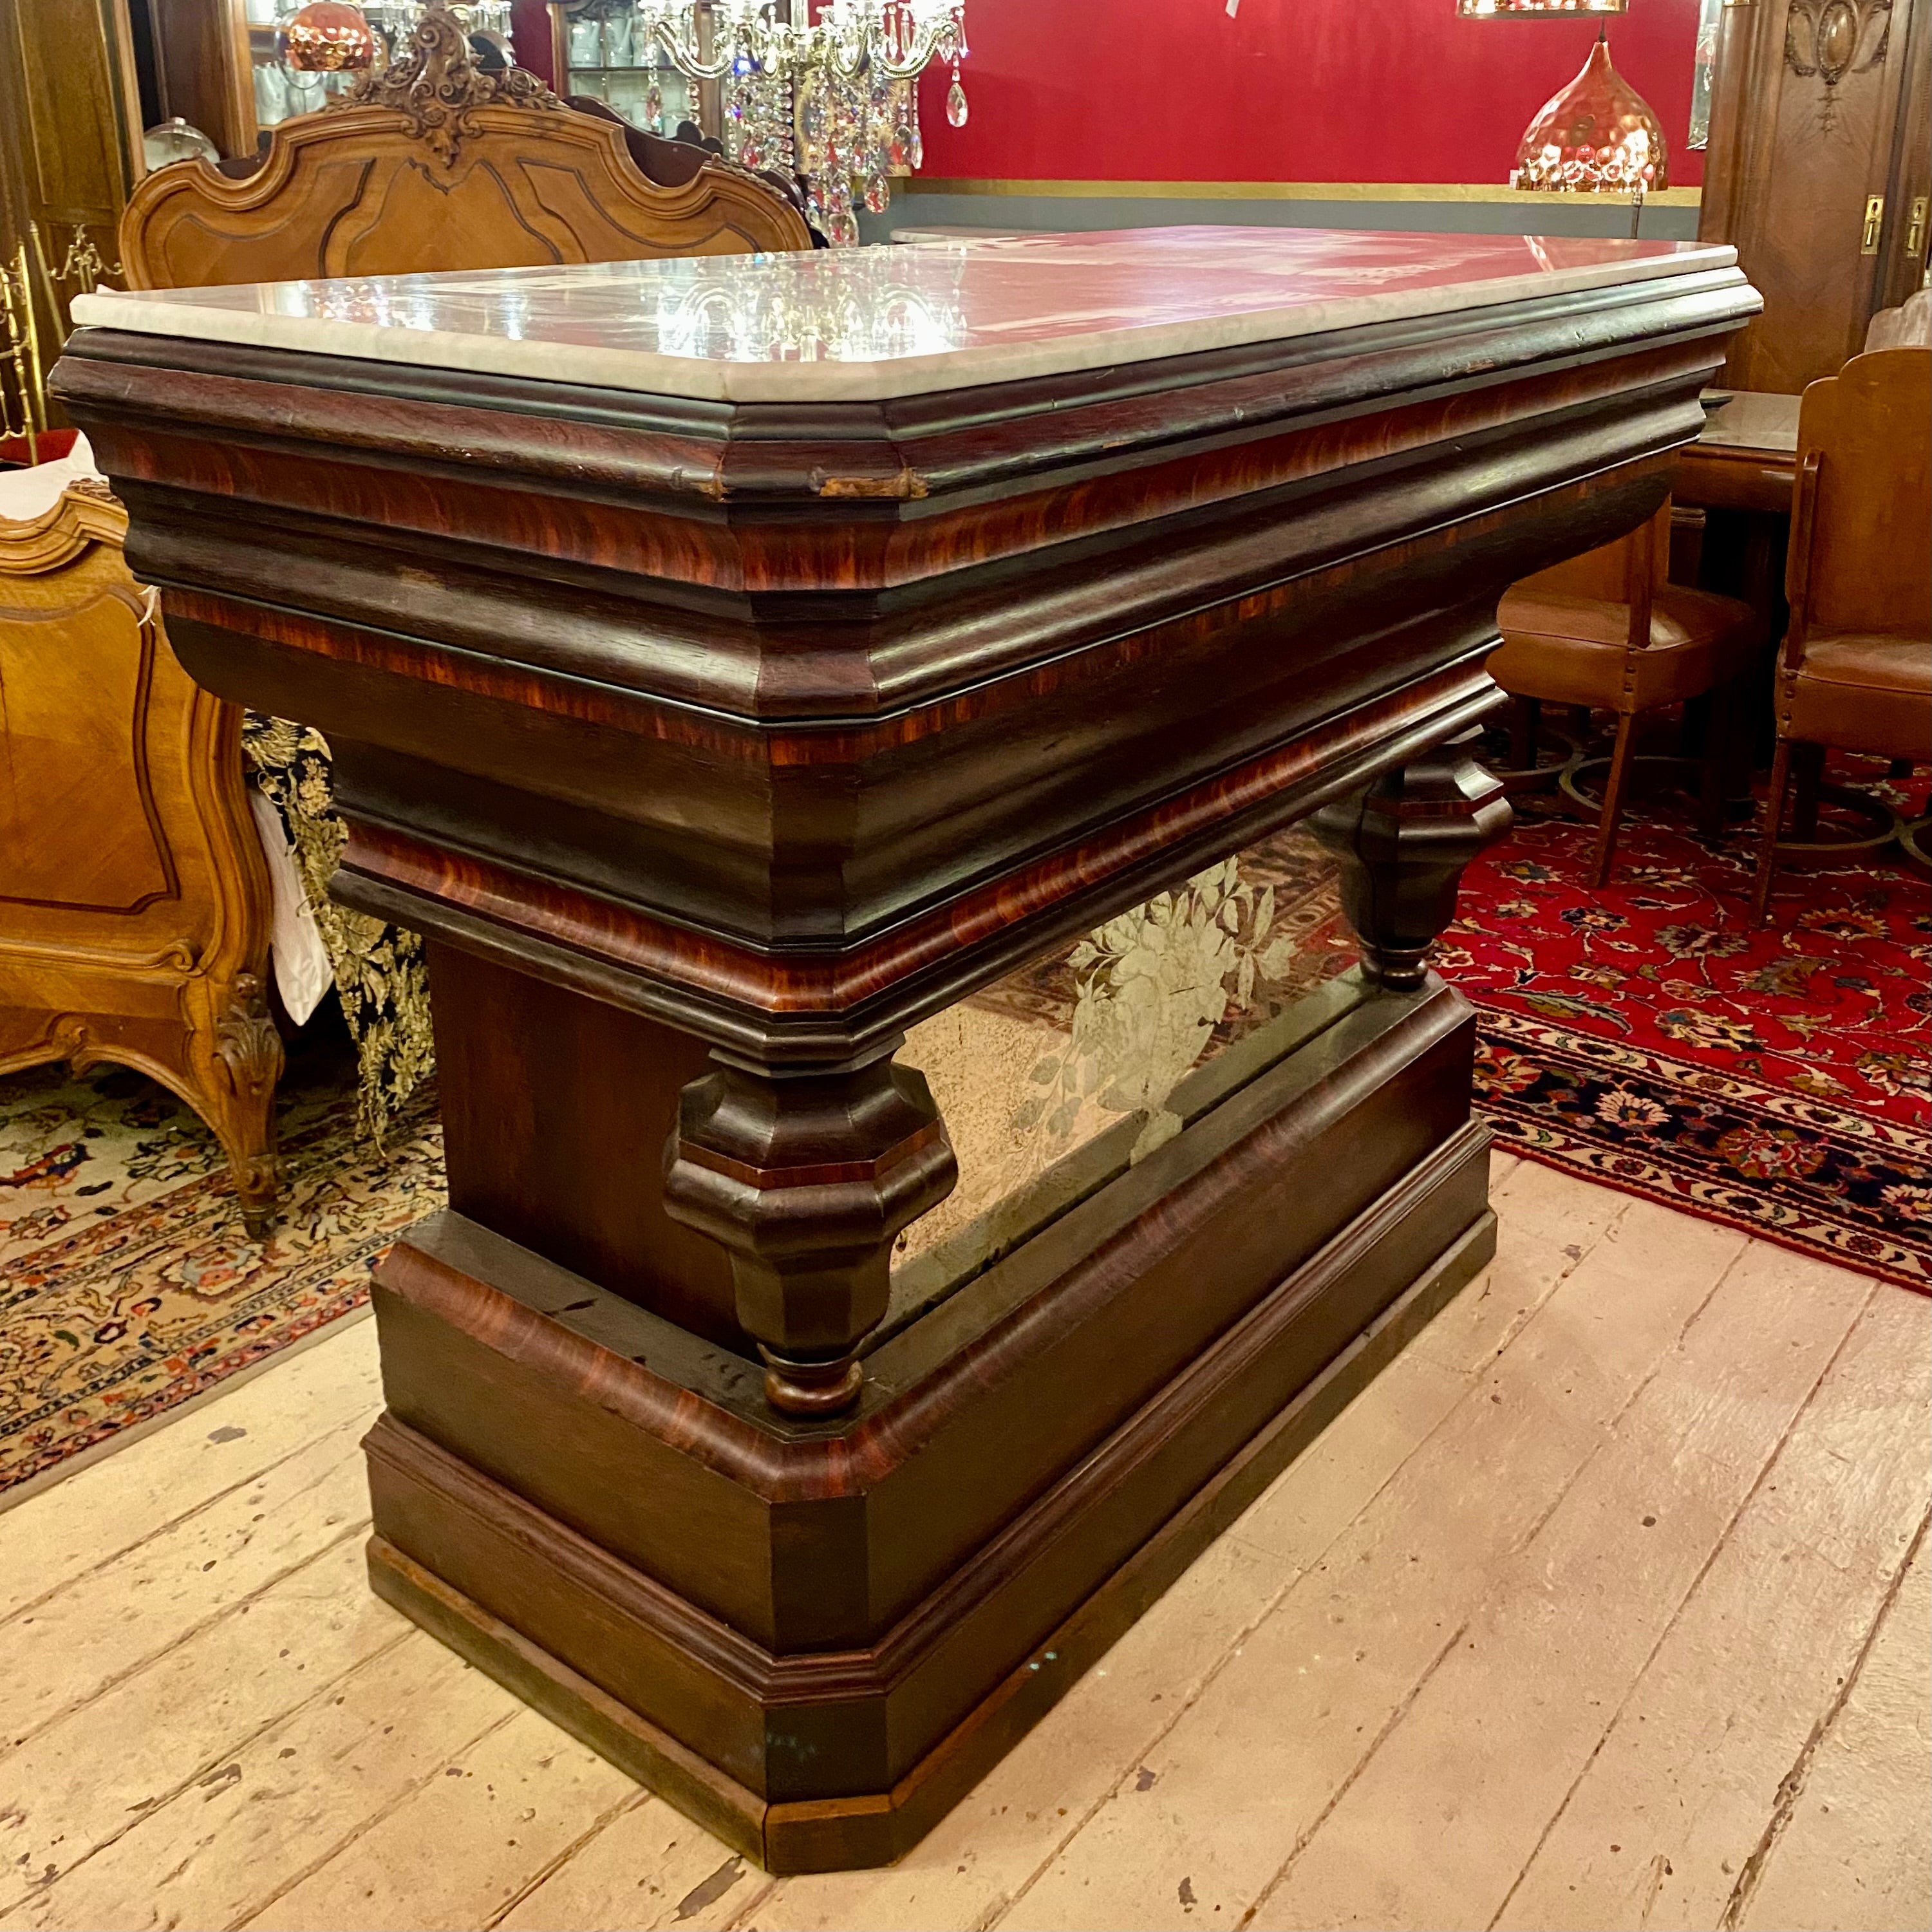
(1827, 39)
(245, 1036)
(323, 199)
(197, 951)
(87, 511)
(439, 86)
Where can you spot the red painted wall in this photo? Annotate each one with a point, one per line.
(1289, 90)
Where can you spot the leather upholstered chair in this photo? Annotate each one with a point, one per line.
(1607, 631)
(1855, 672)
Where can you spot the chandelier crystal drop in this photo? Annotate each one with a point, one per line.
(833, 100)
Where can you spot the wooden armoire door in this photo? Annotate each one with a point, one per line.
(1816, 159)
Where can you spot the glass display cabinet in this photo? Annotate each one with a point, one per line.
(599, 51)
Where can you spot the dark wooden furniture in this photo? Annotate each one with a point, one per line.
(1607, 631)
(134, 905)
(133, 894)
(1856, 671)
(1747, 458)
(1819, 171)
(432, 163)
(718, 720)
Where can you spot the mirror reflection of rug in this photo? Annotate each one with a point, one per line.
(127, 1284)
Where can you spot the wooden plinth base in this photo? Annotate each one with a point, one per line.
(816, 1638)
(841, 1833)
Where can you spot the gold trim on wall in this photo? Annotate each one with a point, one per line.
(1199, 190)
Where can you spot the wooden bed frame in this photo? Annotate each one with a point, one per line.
(134, 898)
(134, 901)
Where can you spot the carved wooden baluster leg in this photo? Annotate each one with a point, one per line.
(1403, 843)
(806, 1179)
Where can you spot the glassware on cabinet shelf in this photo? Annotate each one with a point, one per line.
(614, 58)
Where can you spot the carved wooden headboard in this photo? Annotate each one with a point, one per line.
(432, 163)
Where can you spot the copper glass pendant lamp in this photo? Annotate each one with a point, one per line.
(1597, 137)
(328, 37)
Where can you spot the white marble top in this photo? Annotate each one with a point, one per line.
(1751, 419)
(863, 324)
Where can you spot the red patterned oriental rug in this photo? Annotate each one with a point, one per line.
(1645, 1036)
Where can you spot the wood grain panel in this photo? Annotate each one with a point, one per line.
(133, 894)
(74, 685)
(356, 191)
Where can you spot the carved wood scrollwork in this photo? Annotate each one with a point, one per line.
(245, 1037)
(1830, 41)
(439, 85)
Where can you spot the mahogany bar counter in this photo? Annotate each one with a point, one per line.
(731, 664)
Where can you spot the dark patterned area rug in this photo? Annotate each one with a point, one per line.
(127, 1284)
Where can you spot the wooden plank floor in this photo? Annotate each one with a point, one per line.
(1607, 1606)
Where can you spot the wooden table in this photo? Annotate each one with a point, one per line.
(731, 664)
(1746, 457)
(1741, 473)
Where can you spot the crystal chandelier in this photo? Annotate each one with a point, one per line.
(395, 18)
(835, 100)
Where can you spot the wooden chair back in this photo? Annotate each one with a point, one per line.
(1630, 570)
(1858, 563)
(431, 163)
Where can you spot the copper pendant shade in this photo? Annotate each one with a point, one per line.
(328, 37)
(1598, 136)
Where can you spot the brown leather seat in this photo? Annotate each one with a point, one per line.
(1855, 672)
(1864, 694)
(1606, 631)
(1570, 650)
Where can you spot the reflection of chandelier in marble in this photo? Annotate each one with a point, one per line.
(1497, 10)
(1597, 136)
(851, 308)
(836, 98)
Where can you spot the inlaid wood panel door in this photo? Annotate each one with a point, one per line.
(1811, 173)
(79, 828)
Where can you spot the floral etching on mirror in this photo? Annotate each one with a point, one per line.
(1048, 1077)
(1152, 985)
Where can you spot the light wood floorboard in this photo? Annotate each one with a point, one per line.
(1606, 1607)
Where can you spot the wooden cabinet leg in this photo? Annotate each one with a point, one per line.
(805, 1179)
(1403, 843)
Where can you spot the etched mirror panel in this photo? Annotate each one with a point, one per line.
(1066, 1072)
